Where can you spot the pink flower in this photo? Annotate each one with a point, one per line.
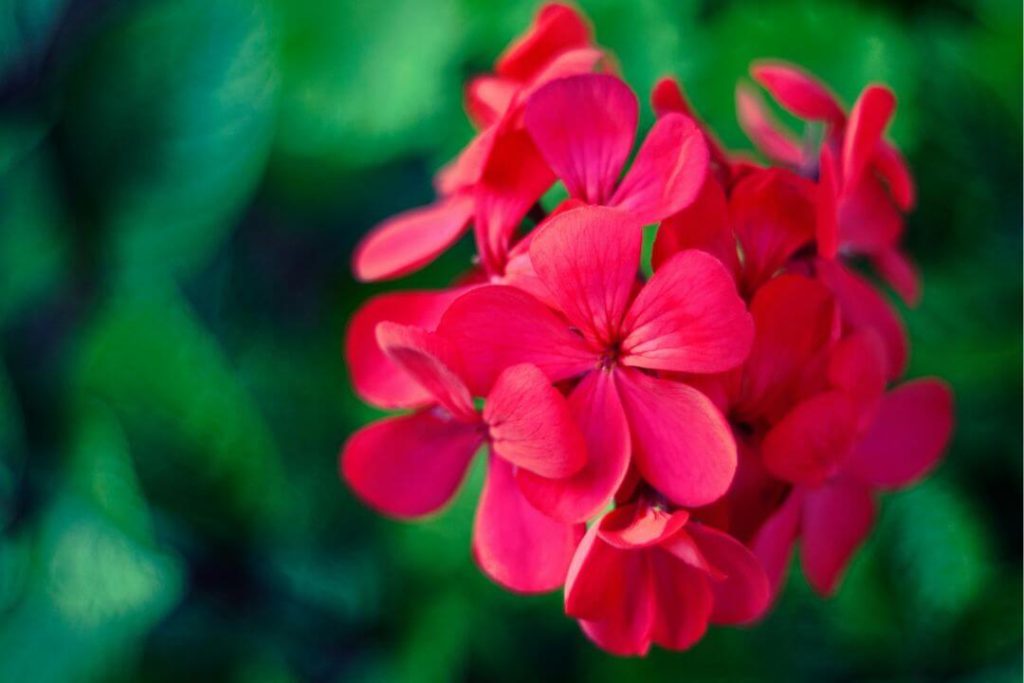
(609, 337)
(865, 183)
(878, 440)
(499, 175)
(645, 575)
(588, 148)
(411, 465)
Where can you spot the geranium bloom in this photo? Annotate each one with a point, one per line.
(606, 333)
(499, 175)
(411, 465)
(877, 440)
(588, 149)
(645, 575)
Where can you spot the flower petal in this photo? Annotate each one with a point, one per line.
(863, 307)
(683, 602)
(836, 519)
(810, 442)
(515, 545)
(868, 118)
(798, 92)
(584, 127)
(743, 594)
(869, 222)
(795, 318)
(556, 29)
(597, 410)
(531, 426)
(764, 131)
(896, 268)
(487, 98)
(827, 226)
(496, 326)
(682, 444)
(688, 318)
(773, 215)
(667, 97)
(409, 466)
(640, 526)
(410, 240)
(588, 258)
(856, 365)
(513, 178)
(432, 362)
(703, 225)
(375, 377)
(774, 541)
(667, 172)
(891, 165)
(911, 430)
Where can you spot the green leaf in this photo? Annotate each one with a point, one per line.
(168, 122)
(197, 436)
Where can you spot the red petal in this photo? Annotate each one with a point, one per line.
(795, 318)
(868, 118)
(514, 177)
(868, 220)
(595, 406)
(836, 520)
(773, 543)
(682, 444)
(809, 443)
(688, 318)
(584, 127)
(487, 99)
(640, 526)
(667, 97)
(531, 426)
(409, 466)
(497, 326)
(798, 92)
(827, 229)
(616, 587)
(555, 29)
(514, 544)
(375, 377)
(703, 225)
(863, 307)
(588, 257)
(464, 171)
(895, 268)
(683, 602)
(764, 131)
(857, 366)
(744, 593)
(911, 430)
(589, 590)
(432, 362)
(773, 214)
(667, 171)
(890, 164)
(410, 240)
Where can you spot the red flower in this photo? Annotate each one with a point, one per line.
(643, 574)
(589, 148)
(499, 174)
(411, 465)
(606, 334)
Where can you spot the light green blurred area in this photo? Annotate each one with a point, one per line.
(181, 185)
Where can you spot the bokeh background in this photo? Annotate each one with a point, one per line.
(181, 186)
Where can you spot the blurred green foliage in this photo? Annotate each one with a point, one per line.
(181, 185)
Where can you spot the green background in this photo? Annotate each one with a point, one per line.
(181, 186)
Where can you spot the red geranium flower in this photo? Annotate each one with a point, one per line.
(645, 575)
(609, 334)
(411, 465)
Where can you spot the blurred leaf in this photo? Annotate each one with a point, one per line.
(365, 81)
(33, 228)
(193, 428)
(168, 122)
(26, 27)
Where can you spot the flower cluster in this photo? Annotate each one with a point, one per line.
(655, 446)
